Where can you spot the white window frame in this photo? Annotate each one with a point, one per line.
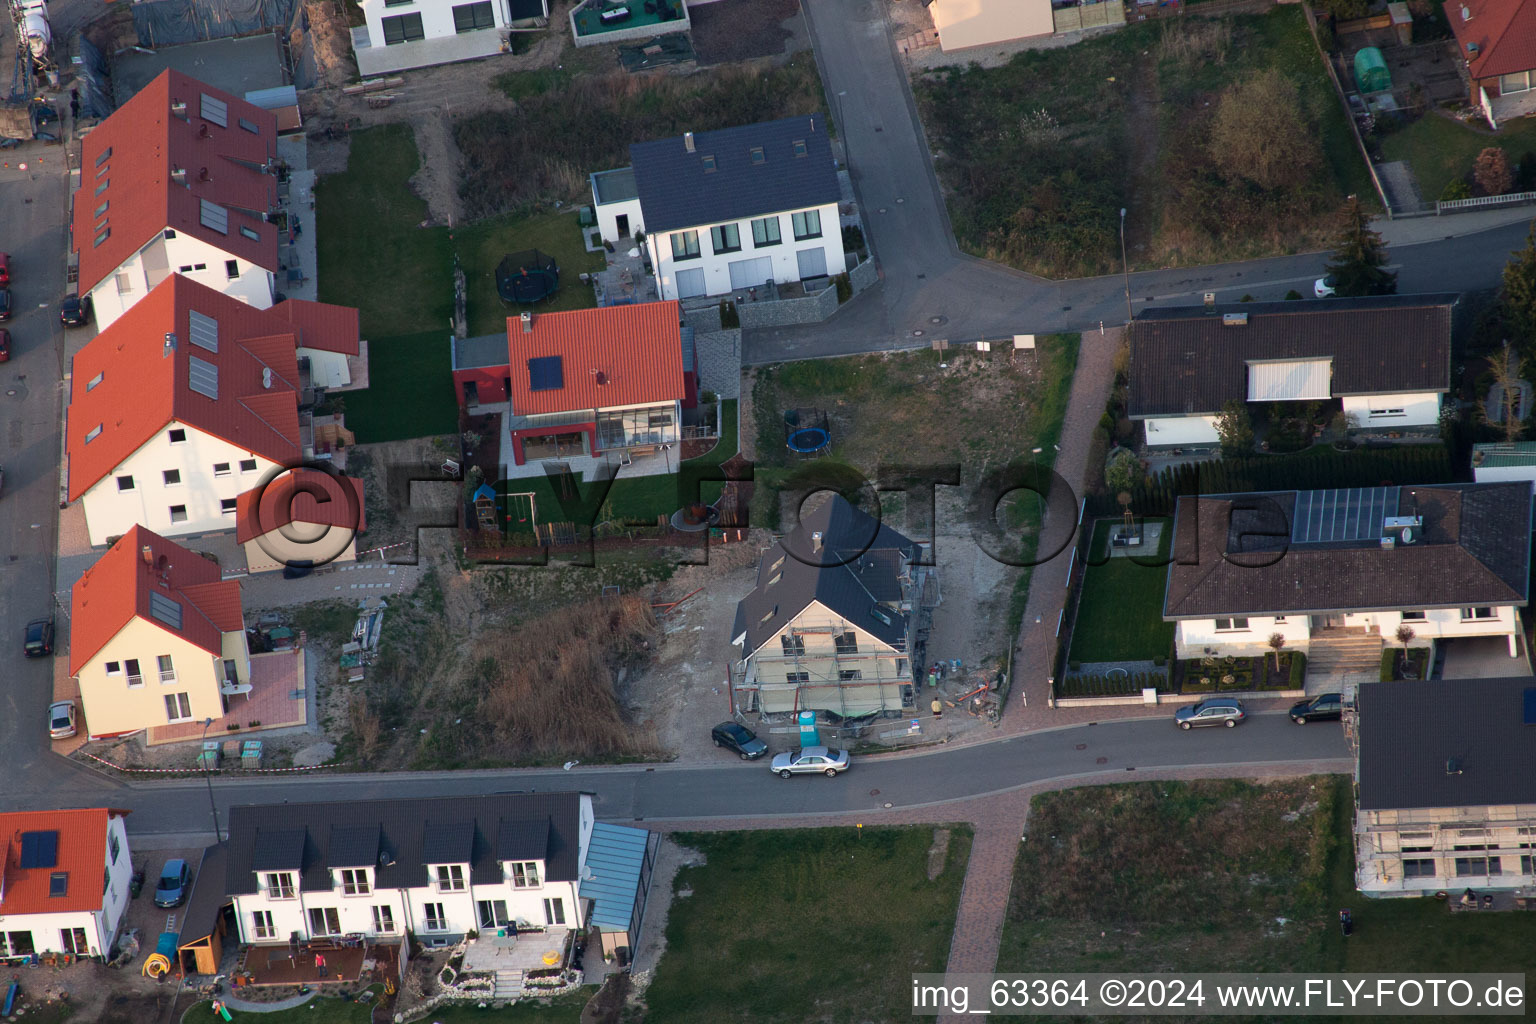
(177, 435)
(177, 516)
(125, 483)
(1231, 624)
(221, 469)
(1471, 614)
(248, 466)
(383, 919)
(354, 882)
(166, 667)
(329, 917)
(525, 874)
(1527, 78)
(183, 704)
(134, 670)
(448, 877)
(433, 918)
(262, 925)
(279, 885)
(1415, 616)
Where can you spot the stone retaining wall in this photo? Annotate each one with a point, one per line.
(1171, 698)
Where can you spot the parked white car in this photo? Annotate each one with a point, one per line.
(1324, 287)
(810, 761)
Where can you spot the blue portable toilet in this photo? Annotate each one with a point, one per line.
(809, 737)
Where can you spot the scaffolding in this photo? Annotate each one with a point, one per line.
(1463, 843)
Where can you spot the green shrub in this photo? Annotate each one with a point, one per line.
(844, 288)
(853, 238)
(1298, 670)
(1292, 295)
(729, 318)
(1159, 661)
(1454, 190)
(1388, 664)
(1074, 665)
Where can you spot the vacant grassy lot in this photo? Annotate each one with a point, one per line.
(807, 925)
(1119, 617)
(566, 126)
(482, 244)
(1225, 876)
(1441, 149)
(373, 252)
(409, 392)
(1038, 156)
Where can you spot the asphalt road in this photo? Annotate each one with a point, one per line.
(731, 788)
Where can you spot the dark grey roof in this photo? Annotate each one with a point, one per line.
(1409, 731)
(857, 573)
(1184, 361)
(412, 834)
(208, 898)
(481, 351)
(521, 840)
(685, 338)
(277, 848)
(354, 846)
(676, 191)
(1233, 555)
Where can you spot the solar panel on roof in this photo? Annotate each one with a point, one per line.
(39, 849)
(214, 217)
(164, 609)
(203, 377)
(1342, 514)
(204, 330)
(215, 110)
(546, 374)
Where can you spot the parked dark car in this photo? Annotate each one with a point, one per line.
(39, 642)
(1213, 711)
(740, 739)
(76, 311)
(1323, 707)
(7, 307)
(175, 884)
(5, 345)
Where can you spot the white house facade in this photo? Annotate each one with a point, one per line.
(1448, 561)
(1504, 461)
(402, 34)
(67, 876)
(1382, 362)
(435, 868)
(181, 179)
(732, 210)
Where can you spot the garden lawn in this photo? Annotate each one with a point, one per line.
(1224, 875)
(565, 1009)
(1120, 613)
(1441, 149)
(806, 925)
(372, 251)
(482, 244)
(410, 390)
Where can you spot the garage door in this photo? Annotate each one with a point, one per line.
(690, 283)
(751, 273)
(813, 263)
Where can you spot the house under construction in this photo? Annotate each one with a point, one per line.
(838, 621)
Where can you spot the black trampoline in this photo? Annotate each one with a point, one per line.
(527, 277)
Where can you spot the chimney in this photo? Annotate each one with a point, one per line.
(148, 554)
(1234, 319)
(527, 322)
(203, 132)
(170, 345)
(179, 109)
(1210, 299)
(179, 176)
(1453, 766)
(816, 541)
(688, 141)
(202, 174)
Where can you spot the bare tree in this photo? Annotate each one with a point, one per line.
(1277, 644)
(1492, 173)
(1506, 367)
(1261, 133)
(1405, 635)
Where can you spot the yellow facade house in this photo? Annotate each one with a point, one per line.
(157, 637)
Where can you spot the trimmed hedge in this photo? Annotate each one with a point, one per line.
(1388, 664)
(1298, 670)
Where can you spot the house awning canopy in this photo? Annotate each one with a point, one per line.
(1290, 380)
(615, 859)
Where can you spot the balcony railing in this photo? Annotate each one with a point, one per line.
(167, 675)
(135, 680)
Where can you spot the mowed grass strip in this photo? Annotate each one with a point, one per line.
(372, 250)
(1120, 613)
(409, 392)
(482, 244)
(1441, 149)
(806, 925)
(564, 1009)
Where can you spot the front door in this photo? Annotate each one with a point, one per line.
(1327, 621)
(471, 393)
(622, 223)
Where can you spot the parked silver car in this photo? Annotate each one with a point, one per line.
(1215, 711)
(812, 759)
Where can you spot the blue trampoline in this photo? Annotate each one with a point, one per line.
(806, 431)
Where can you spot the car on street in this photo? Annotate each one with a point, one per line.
(7, 307)
(1324, 287)
(810, 761)
(61, 720)
(5, 345)
(175, 884)
(1322, 708)
(39, 642)
(1214, 711)
(75, 311)
(5, 269)
(740, 739)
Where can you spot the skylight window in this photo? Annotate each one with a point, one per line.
(758, 156)
(709, 165)
(93, 433)
(250, 126)
(250, 233)
(106, 155)
(800, 149)
(215, 110)
(214, 217)
(58, 884)
(101, 238)
(91, 384)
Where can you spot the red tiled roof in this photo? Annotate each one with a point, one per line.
(143, 389)
(321, 325)
(1504, 32)
(610, 356)
(290, 498)
(116, 590)
(134, 153)
(82, 855)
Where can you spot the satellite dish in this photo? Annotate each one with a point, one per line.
(1407, 535)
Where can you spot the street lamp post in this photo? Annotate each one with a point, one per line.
(1125, 266)
(212, 807)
